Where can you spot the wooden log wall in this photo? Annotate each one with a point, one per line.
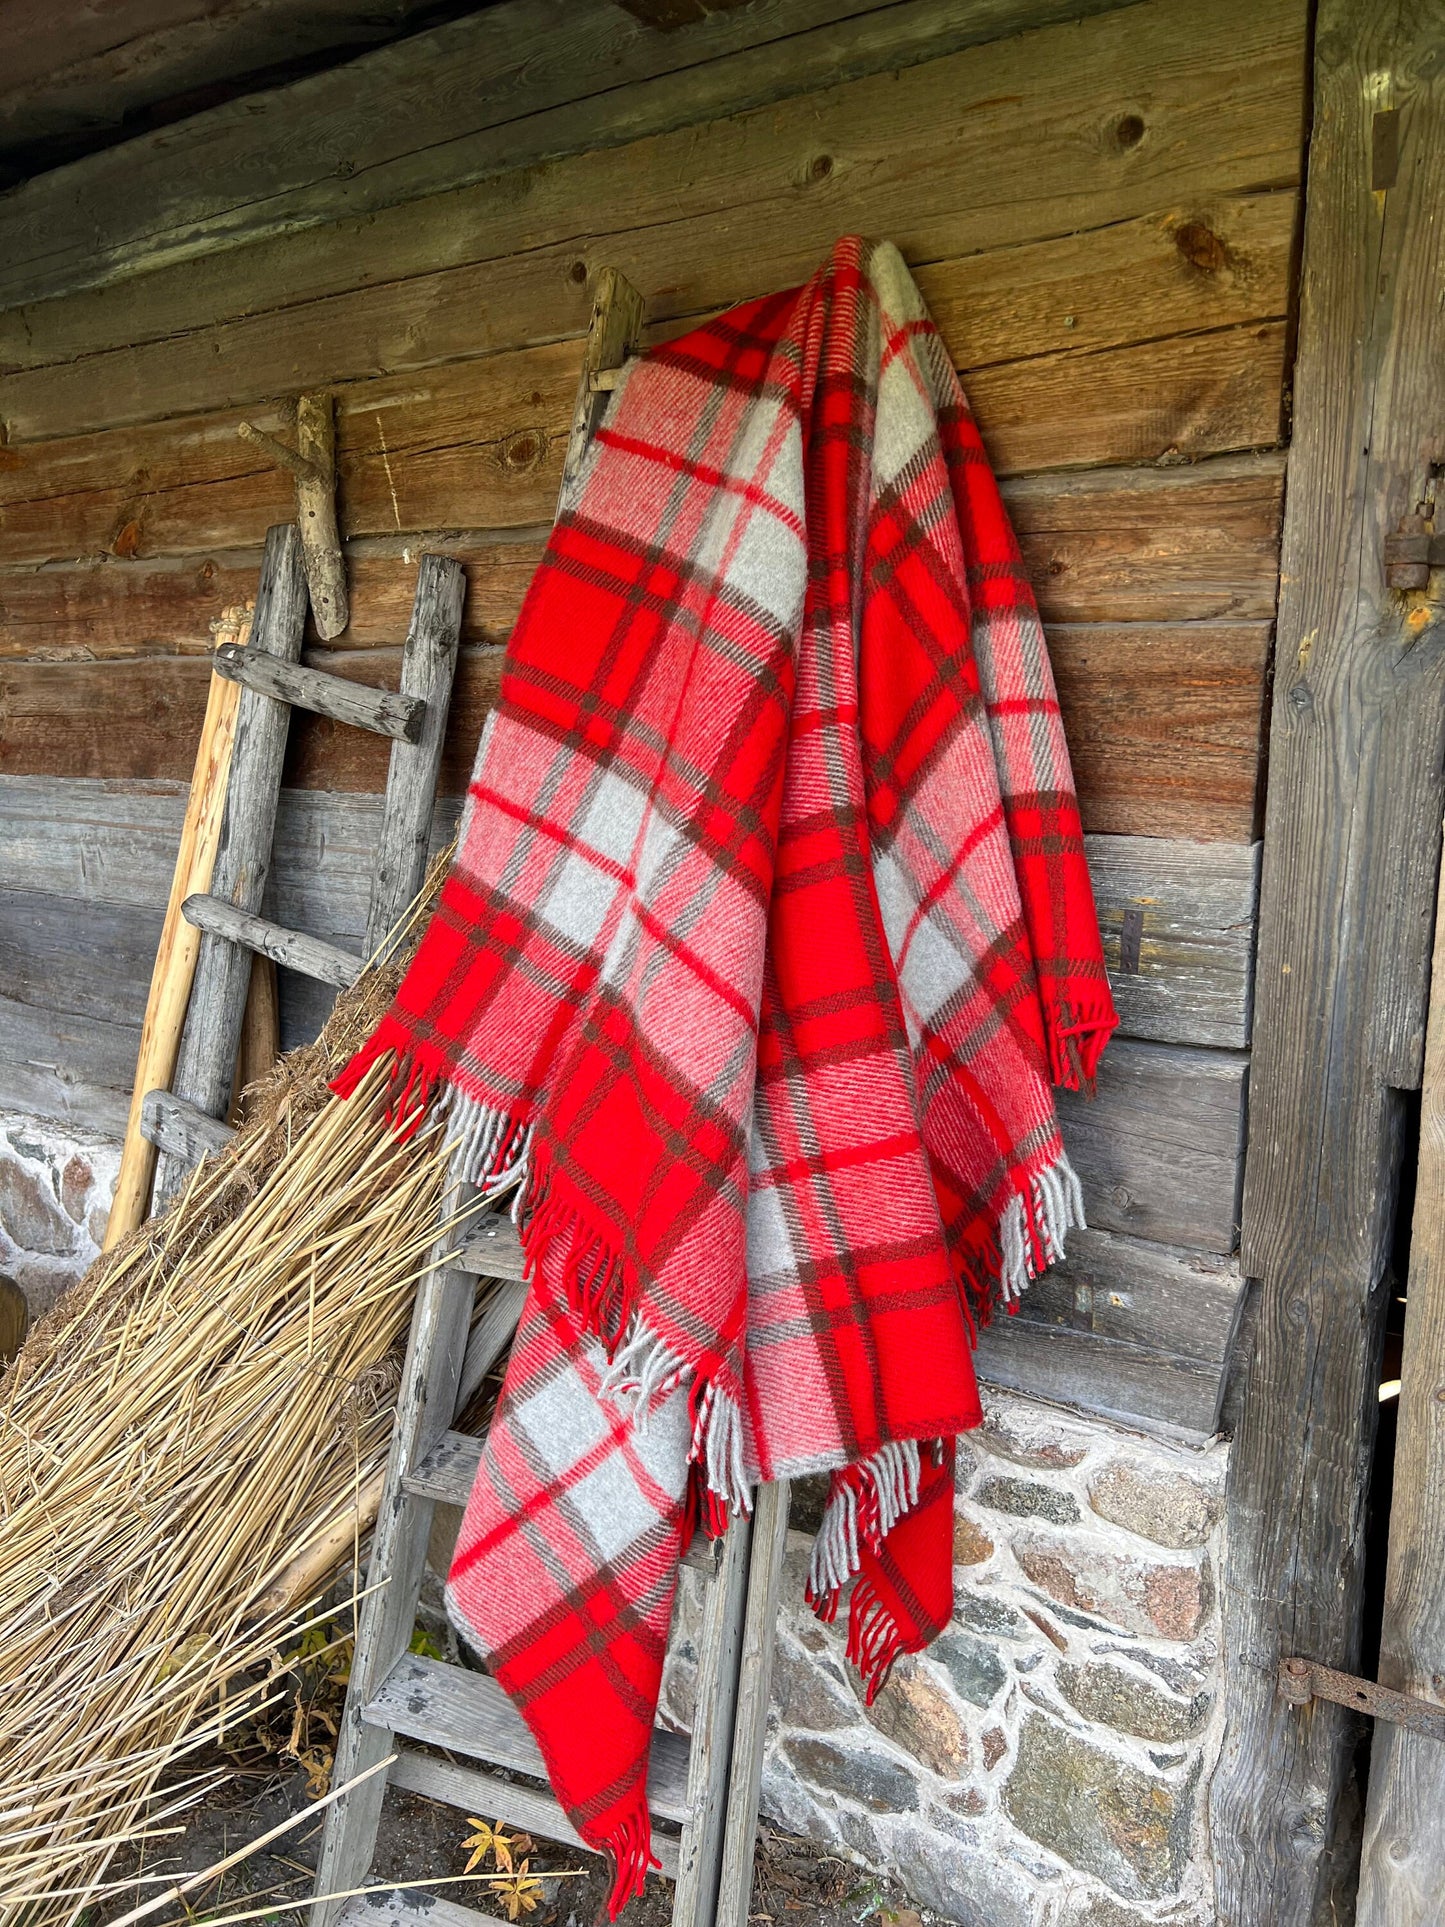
(1102, 214)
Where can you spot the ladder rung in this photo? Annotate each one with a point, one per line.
(530, 1808)
(466, 1712)
(310, 955)
(180, 1129)
(447, 1472)
(383, 711)
(410, 1907)
(493, 1250)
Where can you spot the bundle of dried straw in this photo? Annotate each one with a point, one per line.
(198, 1412)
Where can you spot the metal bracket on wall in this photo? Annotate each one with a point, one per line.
(1411, 553)
(1303, 1680)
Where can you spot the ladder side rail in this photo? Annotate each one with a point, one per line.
(428, 665)
(223, 971)
(426, 1404)
(719, 1668)
(755, 1685)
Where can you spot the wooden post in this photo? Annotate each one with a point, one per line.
(427, 665)
(1352, 839)
(180, 943)
(1402, 1877)
(313, 463)
(223, 971)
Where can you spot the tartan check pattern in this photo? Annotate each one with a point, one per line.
(768, 932)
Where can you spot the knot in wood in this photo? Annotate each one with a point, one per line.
(1201, 247)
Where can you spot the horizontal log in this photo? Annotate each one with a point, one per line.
(753, 202)
(1177, 920)
(1163, 721)
(1134, 1385)
(382, 711)
(1159, 1148)
(180, 1129)
(76, 850)
(76, 1069)
(1118, 545)
(310, 957)
(105, 606)
(518, 87)
(75, 78)
(479, 441)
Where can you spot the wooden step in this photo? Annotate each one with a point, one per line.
(410, 1907)
(323, 961)
(492, 1249)
(447, 1472)
(533, 1809)
(183, 1130)
(465, 1712)
(383, 711)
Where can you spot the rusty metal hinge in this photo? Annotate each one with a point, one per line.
(1411, 553)
(1302, 1680)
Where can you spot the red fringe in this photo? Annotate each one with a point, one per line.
(410, 1086)
(629, 1847)
(875, 1639)
(600, 1291)
(1076, 1043)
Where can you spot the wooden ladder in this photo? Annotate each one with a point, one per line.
(187, 1123)
(450, 1733)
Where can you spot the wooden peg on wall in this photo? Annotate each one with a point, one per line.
(313, 463)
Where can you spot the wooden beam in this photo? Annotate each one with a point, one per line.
(1402, 1874)
(1351, 847)
(754, 202)
(514, 85)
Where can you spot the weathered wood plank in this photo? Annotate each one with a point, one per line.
(206, 1062)
(1157, 393)
(1129, 1330)
(1200, 540)
(1351, 848)
(1402, 1875)
(473, 1790)
(754, 201)
(1105, 546)
(511, 91)
(384, 712)
(1158, 1149)
(267, 164)
(73, 849)
(1163, 722)
(73, 72)
(74, 1068)
(78, 957)
(1178, 925)
(477, 442)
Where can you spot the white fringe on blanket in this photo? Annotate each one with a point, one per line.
(890, 1476)
(1057, 1201)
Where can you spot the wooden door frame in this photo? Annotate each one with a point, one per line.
(1351, 855)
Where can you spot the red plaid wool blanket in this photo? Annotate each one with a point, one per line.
(768, 931)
